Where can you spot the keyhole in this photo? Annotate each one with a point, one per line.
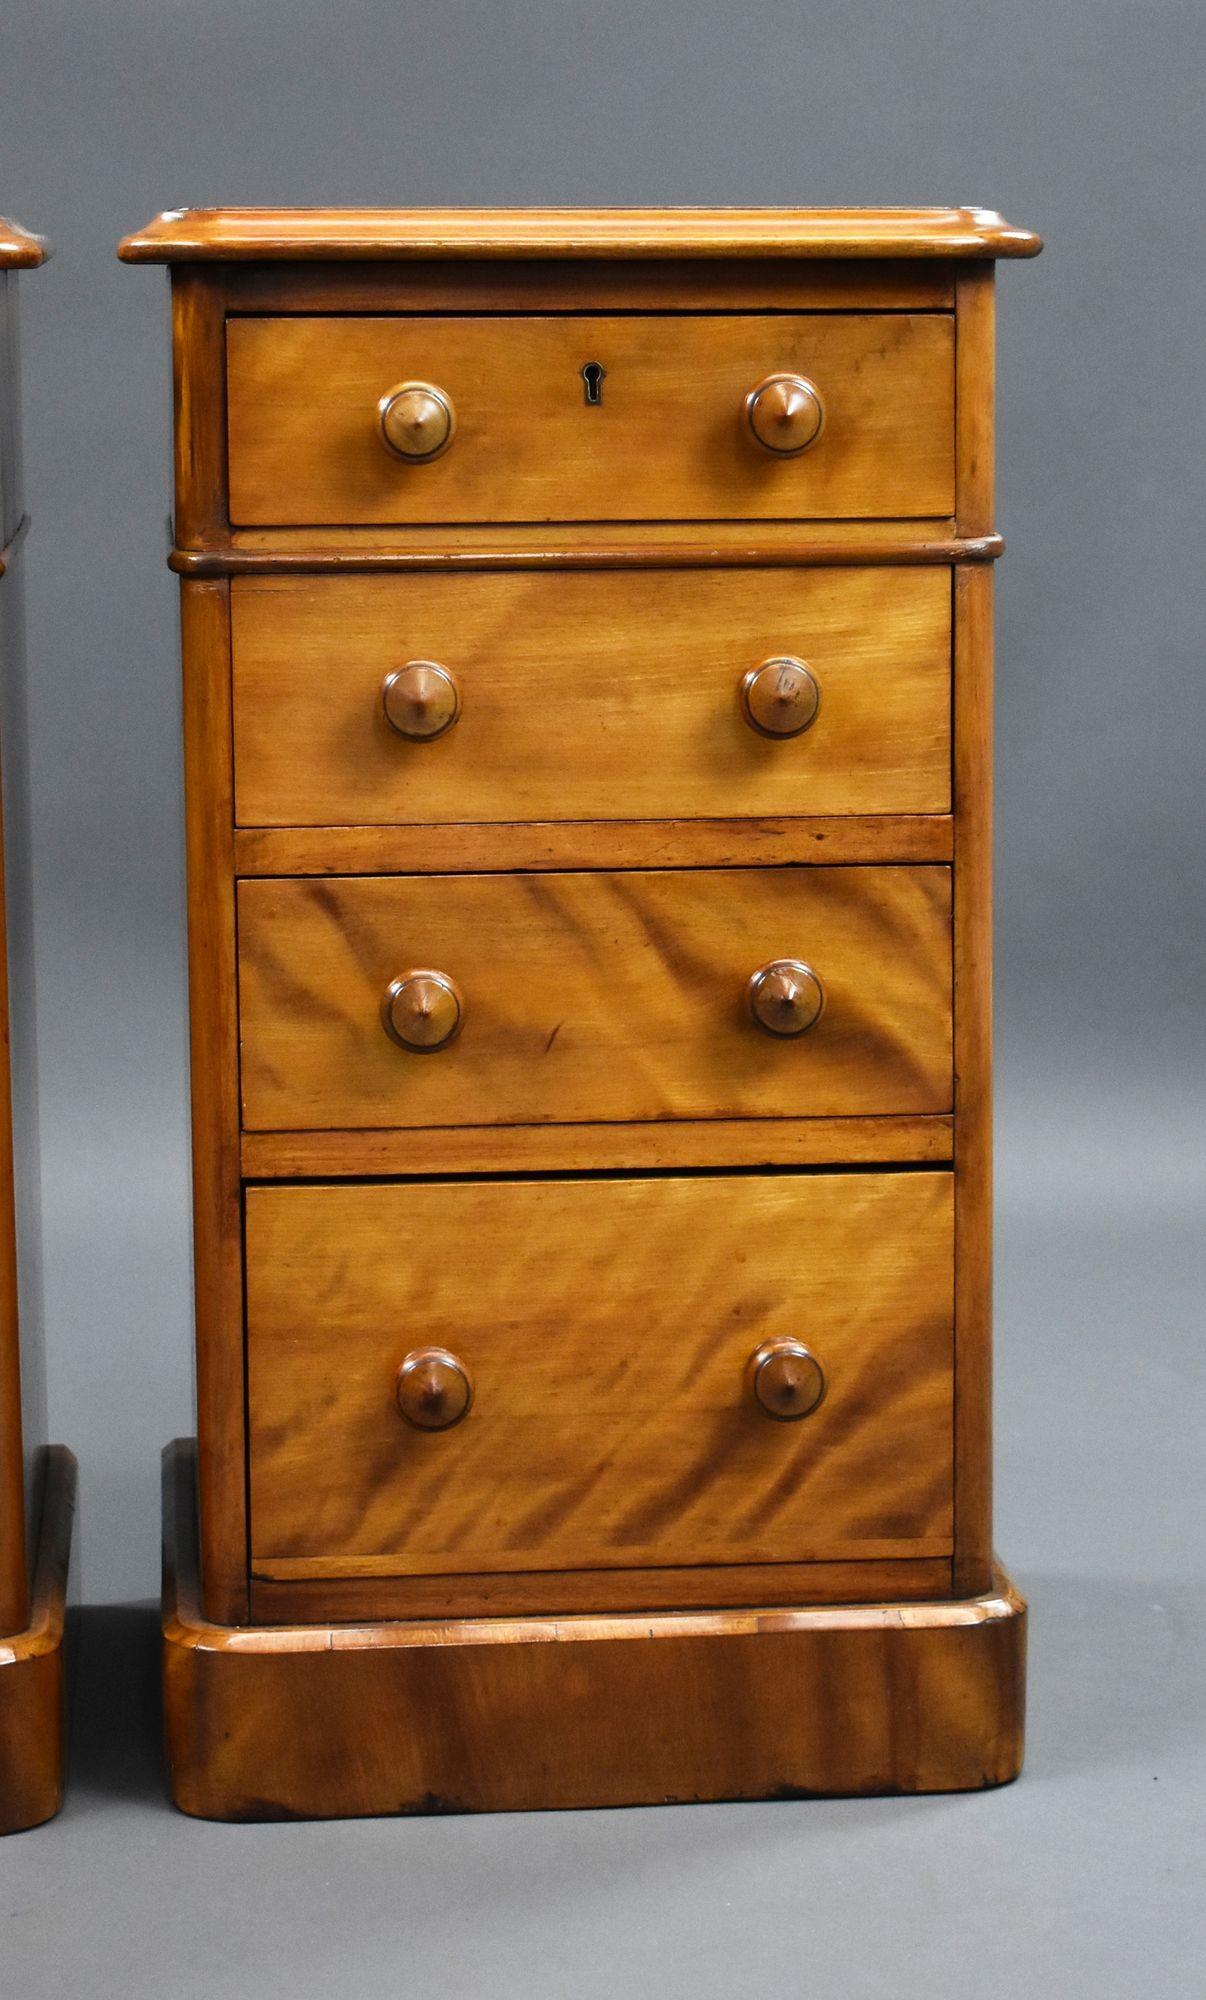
(592, 374)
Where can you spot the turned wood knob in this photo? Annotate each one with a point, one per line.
(785, 414)
(785, 1379)
(417, 421)
(434, 1389)
(785, 997)
(422, 1011)
(780, 698)
(421, 700)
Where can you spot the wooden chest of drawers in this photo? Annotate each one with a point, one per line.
(587, 647)
(37, 1481)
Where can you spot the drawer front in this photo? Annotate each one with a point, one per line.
(601, 695)
(669, 438)
(606, 1330)
(594, 996)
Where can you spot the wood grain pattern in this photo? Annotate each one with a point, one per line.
(328, 1599)
(592, 954)
(23, 1424)
(972, 937)
(33, 1665)
(795, 545)
(15, 1461)
(975, 396)
(594, 996)
(19, 250)
(666, 443)
(540, 283)
(687, 1142)
(317, 233)
(213, 1056)
(600, 696)
(199, 403)
(494, 1714)
(606, 1327)
(540, 845)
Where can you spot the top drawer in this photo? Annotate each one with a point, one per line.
(668, 438)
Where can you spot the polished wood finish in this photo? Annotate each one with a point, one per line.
(418, 421)
(183, 234)
(594, 996)
(785, 1379)
(543, 283)
(312, 1593)
(509, 739)
(34, 1663)
(785, 997)
(596, 695)
(22, 1407)
(710, 1142)
(37, 1481)
(324, 1720)
(422, 1011)
(19, 250)
(611, 1426)
(667, 441)
(434, 1389)
(214, 1070)
(780, 697)
(630, 545)
(495, 847)
(785, 414)
(420, 700)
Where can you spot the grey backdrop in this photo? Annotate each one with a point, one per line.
(1084, 121)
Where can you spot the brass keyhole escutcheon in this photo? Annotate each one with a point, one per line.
(593, 373)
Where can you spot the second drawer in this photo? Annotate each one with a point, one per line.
(545, 998)
(601, 695)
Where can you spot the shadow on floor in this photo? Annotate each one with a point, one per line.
(116, 1723)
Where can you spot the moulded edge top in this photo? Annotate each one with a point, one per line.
(19, 251)
(187, 235)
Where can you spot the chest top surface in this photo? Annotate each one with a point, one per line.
(186, 235)
(19, 251)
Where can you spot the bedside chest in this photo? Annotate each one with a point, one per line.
(37, 1481)
(587, 668)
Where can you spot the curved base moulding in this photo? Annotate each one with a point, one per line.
(517, 1714)
(32, 1677)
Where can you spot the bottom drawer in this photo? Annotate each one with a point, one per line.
(625, 1409)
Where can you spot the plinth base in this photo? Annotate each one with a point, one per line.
(513, 1714)
(32, 1667)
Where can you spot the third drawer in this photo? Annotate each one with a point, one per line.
(600, 995)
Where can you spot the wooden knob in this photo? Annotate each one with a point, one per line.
(785, 997)
(780, 698)
(785, 414)
(785, 1379)
(422, 1011)
(434, 1389)
(417, 421)
(421, 700)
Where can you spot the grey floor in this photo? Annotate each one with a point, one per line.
(1086, 1877)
